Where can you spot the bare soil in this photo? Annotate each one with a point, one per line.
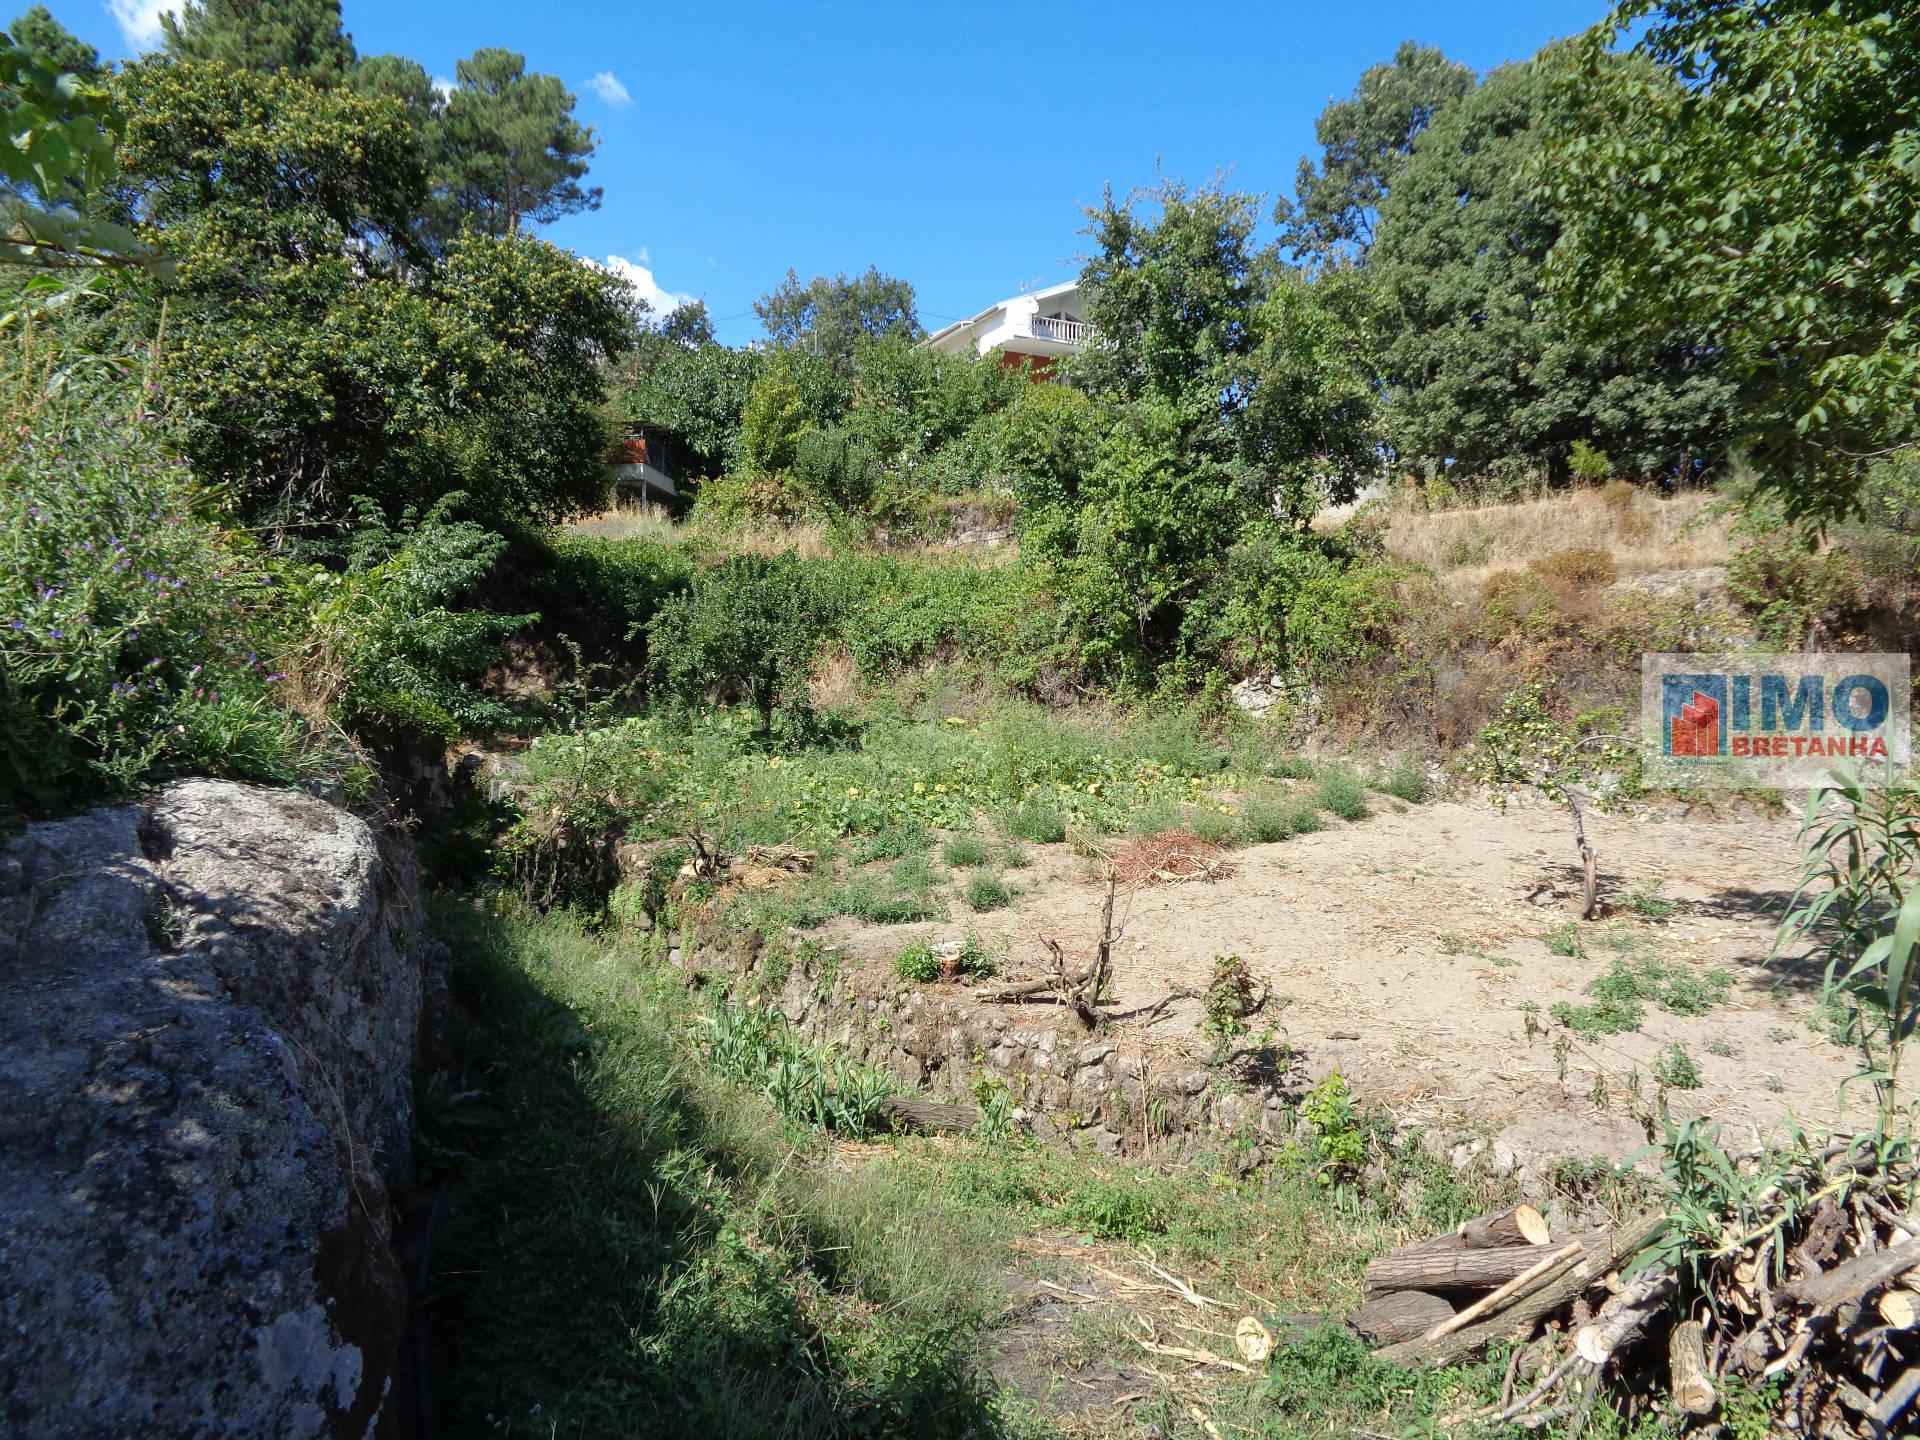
(1407, 950)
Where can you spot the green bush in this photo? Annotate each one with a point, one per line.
(749, 627)
(1266, 817)
(390, 649)
(140, 637)
(963, 852)
(836, 472)
(1340, 792)
(987, 891)
(917, 963)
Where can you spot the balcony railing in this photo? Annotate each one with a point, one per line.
(1068, 332)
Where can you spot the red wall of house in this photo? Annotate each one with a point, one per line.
(1038, 367)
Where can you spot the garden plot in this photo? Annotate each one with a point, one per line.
(1430, 954)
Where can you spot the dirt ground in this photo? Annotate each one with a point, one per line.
(1407, 951)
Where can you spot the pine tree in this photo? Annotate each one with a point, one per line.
(511, 149)
(303, 36)
(38, 31)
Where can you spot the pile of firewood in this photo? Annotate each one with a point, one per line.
(1812, 1298)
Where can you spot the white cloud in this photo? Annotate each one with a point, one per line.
(445, 86)
(639, 275)
(608, 87)
(140, 21)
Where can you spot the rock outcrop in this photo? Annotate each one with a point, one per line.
(210, 1010)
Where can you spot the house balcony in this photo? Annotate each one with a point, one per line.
(1060, 329)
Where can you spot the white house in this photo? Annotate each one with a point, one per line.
(1032, 330)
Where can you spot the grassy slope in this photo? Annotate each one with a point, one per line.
(642, 1248)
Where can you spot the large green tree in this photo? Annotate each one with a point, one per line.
(510, 149)
(1230, 402)
(1365, 139)
(834, 317)
(1757, 183)
(303, 36)
(1479, 370)
(313, 352)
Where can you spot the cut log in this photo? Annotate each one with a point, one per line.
(926, 1115)
(1900, 1308)
(1687, 1360)
(1518, 1225)
(1400, 1315)
(1622, 1318)
(1606, 1251)
(1449, 1269)
(1895, 1400)
(1521, 1225)
(1859, 1276)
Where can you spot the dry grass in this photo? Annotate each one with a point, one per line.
(1167, 859)
(1642, 532)
(628, 523)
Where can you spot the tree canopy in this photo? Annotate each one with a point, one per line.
(304, 36)
(1365, 140)
(1757, 182)
(313, 350)
(54, 44)
(1480, 370)
(511, 149)
(834, 317)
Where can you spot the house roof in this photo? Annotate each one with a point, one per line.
(973, 320)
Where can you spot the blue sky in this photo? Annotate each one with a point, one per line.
(952, 144)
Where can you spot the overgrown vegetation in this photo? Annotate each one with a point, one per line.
(294, 401)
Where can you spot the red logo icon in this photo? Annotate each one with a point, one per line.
(1696, 729)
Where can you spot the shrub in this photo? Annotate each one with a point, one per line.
(749, 627)
(1590, 465)
(987, 891)
(836, 472)
(1579, 564)
(1305, 819)
(389, 649)
(963, 852)
(1266, 818)
(917, 963)
(1341, 793)
(139, 634)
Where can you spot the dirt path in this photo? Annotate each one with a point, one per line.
(1408, 950)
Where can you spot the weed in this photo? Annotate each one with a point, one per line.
(1775, 1085)
(1646, 900)
(1039, 821)
(963, 852)
(1229, 998)
(1451, 944)
(1341, 793)
(1407, 780)
(1565, 940)
(917, 963)
(1720, 1048)
(900, 839)
(1605, 1017)
(1676, 1069)
(987, 891)
(1630, 981)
